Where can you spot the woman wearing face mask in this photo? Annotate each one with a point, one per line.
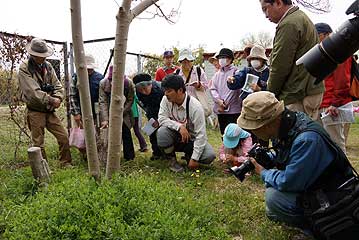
(258, 67)
(226, 104)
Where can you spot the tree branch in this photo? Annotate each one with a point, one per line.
(141, 7)
(316, 6)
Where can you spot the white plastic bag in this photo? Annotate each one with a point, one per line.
(203, 99)
(77, 138)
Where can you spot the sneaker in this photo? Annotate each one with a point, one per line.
(175, 166)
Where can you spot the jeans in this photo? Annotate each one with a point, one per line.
(282, 207)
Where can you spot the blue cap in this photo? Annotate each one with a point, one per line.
(168, 54)
(232, 134)
(323, 28)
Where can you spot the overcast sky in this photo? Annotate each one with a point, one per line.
(208, 23)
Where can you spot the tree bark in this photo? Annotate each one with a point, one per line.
(84, 90)
(124, 18)
(39, 167)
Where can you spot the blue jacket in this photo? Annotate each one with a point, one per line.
(307, 159)
(94, 83)
(151, 103)
(240, 79)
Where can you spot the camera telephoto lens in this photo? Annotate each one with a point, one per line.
(324, 58)
(241, 171)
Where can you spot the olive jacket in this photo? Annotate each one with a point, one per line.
(31, 86)
(295, 35)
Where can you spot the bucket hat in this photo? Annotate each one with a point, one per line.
(38, 47)
(185, 54)
(90, 62)
(257, 52)
(259, 109)
(225, 53)
(232, 134)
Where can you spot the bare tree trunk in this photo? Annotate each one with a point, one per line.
(84, 90)
(117, 98)
(40, 168)
(124, 18)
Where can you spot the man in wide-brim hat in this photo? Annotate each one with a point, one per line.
(43, 93)
(306, 160)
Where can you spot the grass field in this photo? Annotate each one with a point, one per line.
(144, 201)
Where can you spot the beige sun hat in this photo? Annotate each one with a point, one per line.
(38, 47)
(259, 109)
(213, 58)
(257, 52)
(90, 62)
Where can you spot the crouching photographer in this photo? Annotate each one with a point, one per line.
(313, 186)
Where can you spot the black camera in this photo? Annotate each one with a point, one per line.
(324, 58)
(48, 88)
(264, 156)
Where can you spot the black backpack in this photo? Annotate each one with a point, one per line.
(336, 212)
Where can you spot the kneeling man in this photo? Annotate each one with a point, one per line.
(182, 126)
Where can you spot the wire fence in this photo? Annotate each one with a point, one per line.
(14, 134)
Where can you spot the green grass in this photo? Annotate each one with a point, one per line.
(144, 201)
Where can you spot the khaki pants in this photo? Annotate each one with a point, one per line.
(37, 122)
(309, 105)
(338, 132)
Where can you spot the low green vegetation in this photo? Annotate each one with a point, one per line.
(144, 201)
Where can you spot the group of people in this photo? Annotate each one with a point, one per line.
(281, 106)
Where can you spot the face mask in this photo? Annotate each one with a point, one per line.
(256, 64)
(222, 62)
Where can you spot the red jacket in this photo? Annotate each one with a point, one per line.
(337, 86)
(162, 72)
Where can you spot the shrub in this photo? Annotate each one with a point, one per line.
(132, 207)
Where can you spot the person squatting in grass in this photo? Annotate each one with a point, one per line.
(182, 126)
(307, 160)
(236, 145)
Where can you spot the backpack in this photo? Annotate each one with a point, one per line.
(354, 80)
(336, 212)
